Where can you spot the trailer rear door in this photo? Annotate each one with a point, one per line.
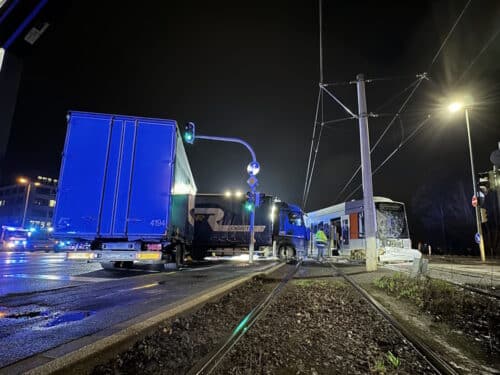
(116, 177)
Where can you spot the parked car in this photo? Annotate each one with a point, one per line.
(40, 239)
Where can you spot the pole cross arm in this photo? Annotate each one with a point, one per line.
(229, 139)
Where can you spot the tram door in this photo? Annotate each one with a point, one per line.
(344, 240)
(335, 231)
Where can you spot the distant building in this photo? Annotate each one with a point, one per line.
(34, 200)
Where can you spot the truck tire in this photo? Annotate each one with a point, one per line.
(108, 266)
(286, 252)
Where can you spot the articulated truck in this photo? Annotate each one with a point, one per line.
(222, 225)
(125, 187)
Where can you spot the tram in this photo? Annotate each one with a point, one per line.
(344, 226)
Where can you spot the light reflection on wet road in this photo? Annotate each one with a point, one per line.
(25, 272)
(46, 301)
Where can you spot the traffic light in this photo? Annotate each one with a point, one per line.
(250, 202)
(487, 182)
(189, 132)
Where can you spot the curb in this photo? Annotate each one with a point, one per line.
(119, 335)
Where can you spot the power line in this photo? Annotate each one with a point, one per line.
(394, 97)
(414, 89)
(485, 47)
(398, 148)
(398, 113)
(336, 121)
(448, 36)
(306, 194)
(312, 145)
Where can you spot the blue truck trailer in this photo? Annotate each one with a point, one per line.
(125, 187)
(222, 225)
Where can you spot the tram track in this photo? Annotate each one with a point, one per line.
(211, 361)
(434, 360)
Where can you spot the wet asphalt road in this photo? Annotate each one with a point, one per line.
(46, 301)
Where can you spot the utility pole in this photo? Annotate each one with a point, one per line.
(474, 187)
(366, 171)
(26, 203)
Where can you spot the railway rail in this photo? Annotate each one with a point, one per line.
(211, 361)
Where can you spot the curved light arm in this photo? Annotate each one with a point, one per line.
(228, 139)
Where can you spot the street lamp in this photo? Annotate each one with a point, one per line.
(455, 107)
(25, 181)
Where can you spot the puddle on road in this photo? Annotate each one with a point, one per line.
(25, 312)
(43, 317)
(29, 314)
(69, 317)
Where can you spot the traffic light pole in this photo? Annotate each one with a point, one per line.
(474, 187)
(252, 231)
(366, 172)
(252, 187)
(229, 139)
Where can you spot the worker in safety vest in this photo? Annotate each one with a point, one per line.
(321, 242)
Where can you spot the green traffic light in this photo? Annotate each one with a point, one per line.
(249, 206)
(188, 137)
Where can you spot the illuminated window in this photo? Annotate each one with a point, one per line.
(52, 203)
(2, 202)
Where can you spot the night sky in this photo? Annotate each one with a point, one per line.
(251, 70)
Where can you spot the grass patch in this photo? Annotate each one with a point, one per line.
(306, 283)
(476, 315)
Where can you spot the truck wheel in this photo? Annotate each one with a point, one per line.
(286, 252)
(108, 266)
(179, 255)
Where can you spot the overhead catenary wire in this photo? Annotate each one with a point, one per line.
(419, 81)
(473, 61)
(336, 121)
(398, 148)
(434, 59)
(396, 96)
(448, 36)
(389, 125)
(312, 145)
(315, 152)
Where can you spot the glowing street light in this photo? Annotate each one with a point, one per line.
(238, 194)
(22, 180)
(227, 194)
(455, 107)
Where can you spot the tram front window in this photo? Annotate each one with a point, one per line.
(391, 220)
